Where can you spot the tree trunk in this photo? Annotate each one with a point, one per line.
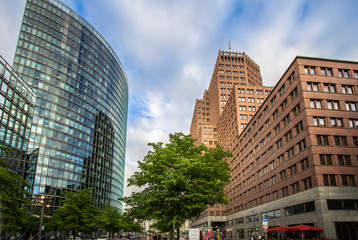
(178, 231)
(173, 233)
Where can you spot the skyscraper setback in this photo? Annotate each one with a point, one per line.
(80, 114)
(233, 71)
(295, 162)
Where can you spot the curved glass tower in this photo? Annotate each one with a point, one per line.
(80, 115)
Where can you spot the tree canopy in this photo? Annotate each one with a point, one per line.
(111, 219)
(78, 213)
(13, 196)
(179, 181)
(129, 224)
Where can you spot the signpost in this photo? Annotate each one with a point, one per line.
(265, 226)
(194, 234)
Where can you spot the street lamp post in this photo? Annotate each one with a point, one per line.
(253, 219)
(42, 215)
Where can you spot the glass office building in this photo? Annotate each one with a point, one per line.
(16, 108)
(80, 115)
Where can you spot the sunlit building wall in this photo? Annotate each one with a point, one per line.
(296, 160)
(235, 73)
(80, 115)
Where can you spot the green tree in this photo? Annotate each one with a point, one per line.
(14, 215)
(179, 181)
(129, 224)
(78, 213)
(111, 220)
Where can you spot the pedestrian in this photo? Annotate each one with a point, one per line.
(155, 237)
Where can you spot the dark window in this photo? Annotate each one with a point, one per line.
(291, 152)
(344, 160)
(299, 127)
(304, 164)
(310, 207)
(299, 209)
(285, 192)
(339, 204)
(329, 179)
(326, 159)
(334, 204)
(295, 187)
(348, 180)
(307, 183)
(355, 141)
(293, 169)
(322, 140)
(289, 211)
(340, 140)
(350, 204)
(302, 145)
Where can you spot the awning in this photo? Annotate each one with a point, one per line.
(307, 228)
(209, 234)
(282, 229)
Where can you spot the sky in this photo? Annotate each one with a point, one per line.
(169, 49)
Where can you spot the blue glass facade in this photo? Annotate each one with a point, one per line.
(16, 111)
(80, 116)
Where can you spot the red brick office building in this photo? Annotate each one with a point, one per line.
(295, 162)
(231, 69)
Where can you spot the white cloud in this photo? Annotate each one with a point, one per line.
(10, 20)
(278, 31)
(169, 48)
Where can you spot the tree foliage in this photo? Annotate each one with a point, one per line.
(13, 197)
(129, 224)
(78, 213)
(179, 181)
(111, 219)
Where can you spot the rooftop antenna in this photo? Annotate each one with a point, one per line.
(229, 46)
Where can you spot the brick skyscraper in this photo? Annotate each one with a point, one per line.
(296, 160)
(233, 70)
